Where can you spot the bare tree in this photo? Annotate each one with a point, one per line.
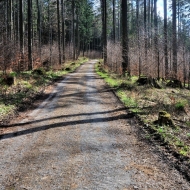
(59, 35)
(104, 29)
(63, 28)
(125, 40)
(174, 39)
(30, 34)
(113, 21)
(165, 39)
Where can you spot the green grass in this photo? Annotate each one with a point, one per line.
(128, 101)
(28, 83)
(4, 109)
(180, 105)
(146, 103)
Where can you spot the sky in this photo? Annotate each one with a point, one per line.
(160, 8)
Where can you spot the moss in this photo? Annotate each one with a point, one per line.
(164, 114)
(164, 118)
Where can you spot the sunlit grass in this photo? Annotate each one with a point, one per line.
(146, 102)
(29, 82)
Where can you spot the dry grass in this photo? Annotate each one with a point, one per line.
(146, 102)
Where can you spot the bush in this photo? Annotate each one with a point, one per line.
(180, 106)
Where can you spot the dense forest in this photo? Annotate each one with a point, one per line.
(142, 51)
(130, 35)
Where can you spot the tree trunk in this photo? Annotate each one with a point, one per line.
(148, 28)
(104, 30)
(73, 27)
(165, 39)
(21, 27)
(58, 28)
(39, 27)
(145, 32)
(174, 39)
(113, 21)
(138, 38)
(30, 35)
(63, 29)
(156, 52)
(125, 45)
(78, 37)
(50, 33)
(9, 19)
(119, 21)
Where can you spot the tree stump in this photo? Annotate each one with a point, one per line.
(164, 118)
(174, 84)
(144, 80)
(8, 80)
(38, 71)
(67, 69)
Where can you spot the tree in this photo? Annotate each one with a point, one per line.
(138, 37)
(30, 34)
(145, 31)
(39, 25)
(125, 40)
(174, 39)
(165, 39)
(156, 52)
(63, 29)
(73, 27)
(59, 35)
(104, 29)
(114, 21)
(21, 37)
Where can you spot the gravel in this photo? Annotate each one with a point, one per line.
(81, 137)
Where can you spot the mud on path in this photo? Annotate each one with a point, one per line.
(81, 137)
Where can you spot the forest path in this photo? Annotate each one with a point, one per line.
(81, 137)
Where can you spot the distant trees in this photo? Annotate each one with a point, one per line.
(45, 32)
(130, 34)
(154, 45)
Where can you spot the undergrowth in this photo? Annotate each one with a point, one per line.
(27, 84)
(146, 102)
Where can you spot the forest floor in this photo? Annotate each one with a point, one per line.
(145, 102)
(82, 137)
(29, 86)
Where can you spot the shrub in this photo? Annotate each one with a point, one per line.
(180, 106)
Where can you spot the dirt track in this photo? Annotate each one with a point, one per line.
(81, 137)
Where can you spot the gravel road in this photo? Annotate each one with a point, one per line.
(81, 137)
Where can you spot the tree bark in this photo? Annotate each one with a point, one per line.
(73, 28)
(113, 21)
(39, 27)
(174, 39)
(104, 29)
(125, 40)
(63, 29)
(30, 35)
(21, 26)
(59, 35)
(138, 38)
(156, 52)
(145, 32)
(165, 39)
